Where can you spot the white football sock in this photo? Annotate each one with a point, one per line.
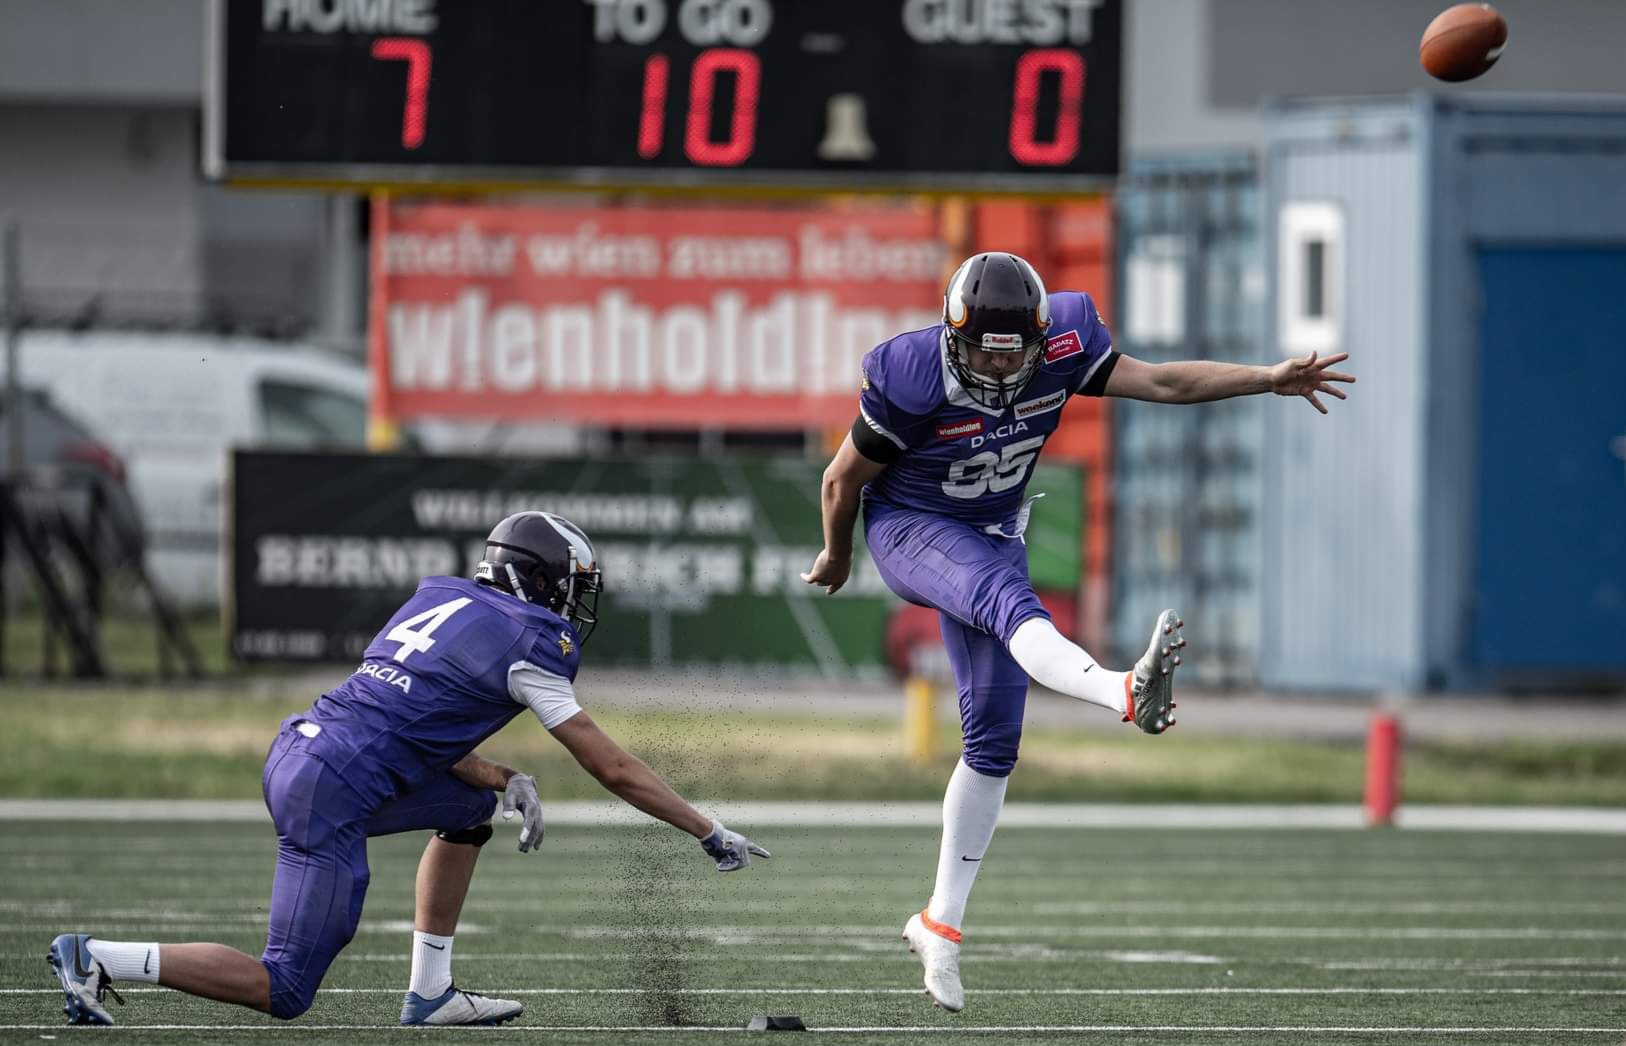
(970, 811)
(1062, 665)
(431, 965)
(125, 961)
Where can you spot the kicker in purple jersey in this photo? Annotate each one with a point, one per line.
(961, 459)
(433, 683)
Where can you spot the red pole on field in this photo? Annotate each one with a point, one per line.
(1382, 769)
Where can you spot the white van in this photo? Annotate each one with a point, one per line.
(173, 405)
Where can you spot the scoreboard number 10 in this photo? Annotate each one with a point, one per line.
(697, 144)
(1057, 146)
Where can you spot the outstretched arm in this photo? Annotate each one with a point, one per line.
(844, 480)
(1201, 381)
(626, 775)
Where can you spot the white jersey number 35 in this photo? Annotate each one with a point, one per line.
(977, 475)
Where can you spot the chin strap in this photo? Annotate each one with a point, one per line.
(513, 582)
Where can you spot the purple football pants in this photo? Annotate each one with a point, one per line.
(322, 828)
(978, 583)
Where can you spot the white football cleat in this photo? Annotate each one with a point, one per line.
(85, 983)
(455, 1006)
(940, 955)
(1149, 699)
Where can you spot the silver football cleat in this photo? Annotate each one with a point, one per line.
(1151, 692)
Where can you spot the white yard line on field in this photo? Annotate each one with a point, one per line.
(251, 910)
(1037, 959)
(879, 1029)
(770, 936)
(916, 991)
(916, 814)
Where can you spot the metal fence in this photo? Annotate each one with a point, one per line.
(1187, 491)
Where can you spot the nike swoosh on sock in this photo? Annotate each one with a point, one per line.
(437, 947)
(965, 858)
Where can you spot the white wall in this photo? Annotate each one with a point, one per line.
(131, 51)
(107, 202)
(1166, 106)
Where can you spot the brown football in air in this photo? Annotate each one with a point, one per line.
(1463, 42)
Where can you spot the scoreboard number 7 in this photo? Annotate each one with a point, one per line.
(417, 56)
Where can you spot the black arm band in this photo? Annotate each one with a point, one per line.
(1097, 385)
(873, 445)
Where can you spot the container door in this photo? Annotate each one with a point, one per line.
(1551, 555)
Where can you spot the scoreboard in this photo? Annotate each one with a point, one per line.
(816, 95)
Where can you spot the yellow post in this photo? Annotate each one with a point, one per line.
(383, 434)
(383, 429)
(919, 718)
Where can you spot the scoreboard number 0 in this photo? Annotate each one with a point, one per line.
(1026, 148)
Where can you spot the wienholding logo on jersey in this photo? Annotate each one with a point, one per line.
(1062, 346)
(1041, 405)
(954, 430)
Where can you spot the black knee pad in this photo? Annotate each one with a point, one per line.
(476, 836)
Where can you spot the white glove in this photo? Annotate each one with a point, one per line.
(521, 795)
(731, 850)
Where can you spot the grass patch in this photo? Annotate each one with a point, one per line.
(209, 742)
(129, 644)
(1235, 938)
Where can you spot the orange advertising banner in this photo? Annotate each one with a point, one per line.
(690, 317)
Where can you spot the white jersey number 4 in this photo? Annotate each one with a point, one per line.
(975, 476)
(416, 640)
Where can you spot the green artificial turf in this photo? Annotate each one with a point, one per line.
(1211, 937)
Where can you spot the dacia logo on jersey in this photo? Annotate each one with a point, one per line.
(1063, 345)
(566, 647)
(999, 433)
(388, 675)
(1042, 405)
(956, 429)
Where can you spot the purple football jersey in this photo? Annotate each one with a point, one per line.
(962, 459)
(433, 683)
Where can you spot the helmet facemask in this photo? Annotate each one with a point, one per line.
(573, 597)
(578, 598)
(990, 392)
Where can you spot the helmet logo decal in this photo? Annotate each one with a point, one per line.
(954, 309)
(580, 547)
(1001, 342)
(1043, 312)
